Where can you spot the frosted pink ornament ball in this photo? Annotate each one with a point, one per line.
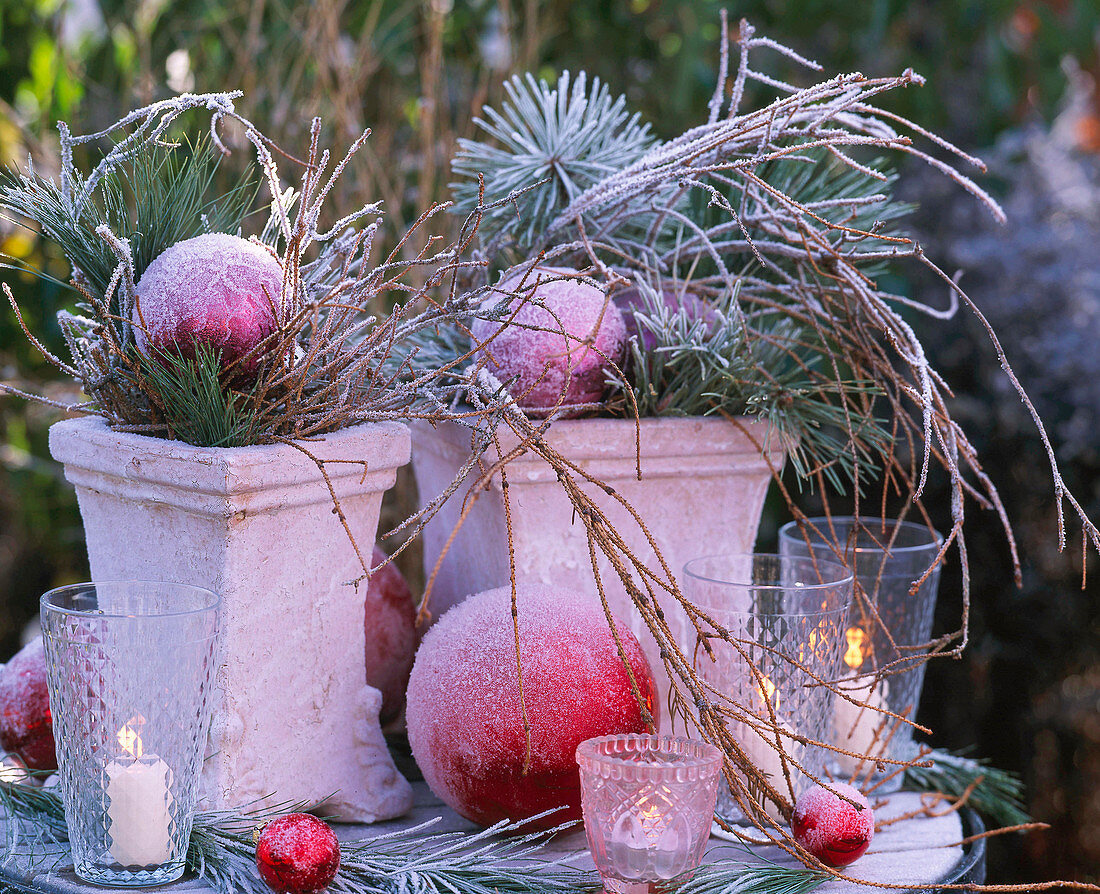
(542, 362)
(463, 709)
(216, 290)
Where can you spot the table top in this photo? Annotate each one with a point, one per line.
(921, 852)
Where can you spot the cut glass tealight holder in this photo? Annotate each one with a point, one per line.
(785, 620)
(648, 802)
(130, 666)
(888, 629)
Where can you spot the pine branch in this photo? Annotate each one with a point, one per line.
(40, 807)
(501, 859)
(997, 795)
(732, 877)
(222, 847)
(197, 407)
(547, 145)
(160, 196)
(696, 358)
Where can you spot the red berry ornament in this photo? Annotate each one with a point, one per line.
(297, 854)
(216, 290)
(464, 716)
(390, 625)
(26, 725)
(832, 829)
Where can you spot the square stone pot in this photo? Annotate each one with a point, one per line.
(701, 493)
(293, 716)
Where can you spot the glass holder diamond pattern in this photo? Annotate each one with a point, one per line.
(647, 804)
(129, 667)
(785, 618)
(886, 558)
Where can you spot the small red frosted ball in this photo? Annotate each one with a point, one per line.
(26, 725)
(830, 828)
(215, 290)
(390, 625)
(297, 854)
(464, 716)
(542, 364)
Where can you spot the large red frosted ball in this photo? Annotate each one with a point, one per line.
(464, 717)
(543, 363)
(26, 725)
(831, 828)
(217, 290)
(390, 625)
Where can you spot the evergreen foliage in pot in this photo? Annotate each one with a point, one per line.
(748, 257)
(239, 428)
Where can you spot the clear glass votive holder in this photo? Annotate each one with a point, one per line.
(785, 618)
(648, 803)
(887, 557)
(130, 666)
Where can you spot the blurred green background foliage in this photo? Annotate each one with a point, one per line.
(1027, 694)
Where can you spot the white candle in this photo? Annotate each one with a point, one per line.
(652, 847)
(138, 791)
(139, 811)
(759, 747)
(860, 728)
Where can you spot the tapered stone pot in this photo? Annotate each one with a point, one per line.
(293, 717)
(701, 492)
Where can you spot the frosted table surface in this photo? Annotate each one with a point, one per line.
(916, 852)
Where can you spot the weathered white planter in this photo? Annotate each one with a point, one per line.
(293, 716)
(701, 492)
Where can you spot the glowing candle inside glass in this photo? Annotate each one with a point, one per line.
(860, 728)
(648, 803)
(140, 802)
(757, 740)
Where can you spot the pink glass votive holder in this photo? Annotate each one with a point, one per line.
(648, 802)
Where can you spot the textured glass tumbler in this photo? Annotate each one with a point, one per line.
(786, 618)
(130, 665)
(648, 803)
(887, 558)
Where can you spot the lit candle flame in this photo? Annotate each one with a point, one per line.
(859, 647)
(129, 737)
(653, 823)
(766, 693)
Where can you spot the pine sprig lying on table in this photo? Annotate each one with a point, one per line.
(737, 878)
(472, 863)
(999, 796)
(502, 859)
(40, 807)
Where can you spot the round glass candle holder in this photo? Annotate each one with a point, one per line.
(785, 617)
(648, 803)
(887, 557)
(129, 666)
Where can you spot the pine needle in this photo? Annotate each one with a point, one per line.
(161, 196)
(733, 877)
(197, 407)
(549, 144)
(692, 358)
(998, 794)
(500, 859)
